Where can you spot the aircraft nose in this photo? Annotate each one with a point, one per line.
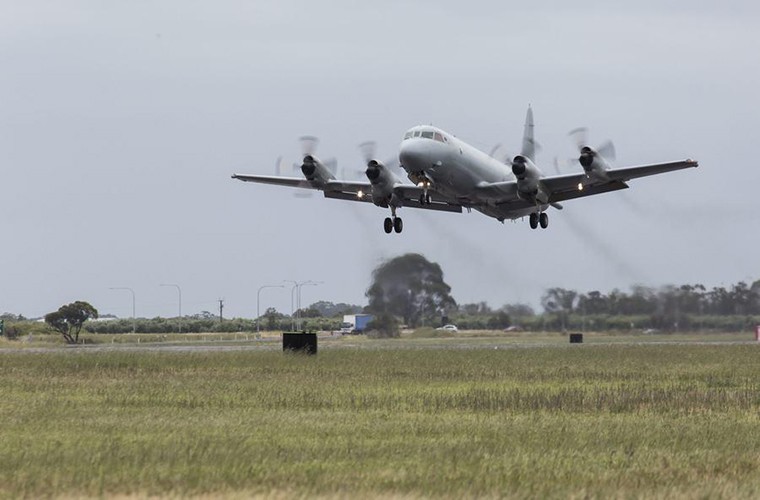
(414, 156)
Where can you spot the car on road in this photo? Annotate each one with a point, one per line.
(449, 328)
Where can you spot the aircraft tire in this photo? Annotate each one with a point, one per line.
(533, 220)
(388, 226)
(543, 219)
(398, 224)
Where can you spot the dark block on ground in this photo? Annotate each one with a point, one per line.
(576, 338)
(299, 342)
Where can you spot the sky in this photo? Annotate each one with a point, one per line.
(122, 122)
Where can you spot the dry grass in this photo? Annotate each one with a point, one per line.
(599, 421)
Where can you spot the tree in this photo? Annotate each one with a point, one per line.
(411, 287)
(499, 320)
(68, 319)
(272, 317)
(330, 310)
(560, 301)
(383, 326)
(518, 310)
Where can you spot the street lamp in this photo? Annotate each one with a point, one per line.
(134, 322)
(179, 291)
(292, 309)
(258, 302)
(300, 285)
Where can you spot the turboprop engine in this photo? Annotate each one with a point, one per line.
(528, 176)
(382, 181)
(315, 170)
(595, 161)
(592, 161)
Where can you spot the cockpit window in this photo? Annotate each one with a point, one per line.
(426, 134)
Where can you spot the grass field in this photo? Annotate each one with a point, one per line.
(603, 420)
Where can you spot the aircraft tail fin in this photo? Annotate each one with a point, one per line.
(529, 142)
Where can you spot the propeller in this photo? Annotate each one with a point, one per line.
(500, 153)
(309, 145)
(606, 150)
(368, 150)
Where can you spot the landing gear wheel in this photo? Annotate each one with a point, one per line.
(427, 198)
(533, 220)
(422, 199)
(388, 226)
(398, 224)
(543, 219)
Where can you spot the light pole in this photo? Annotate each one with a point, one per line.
(292, 309)
(258, 302)
(134, 322)
(300, 285)
(179, 291)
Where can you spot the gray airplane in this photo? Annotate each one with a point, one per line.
(450, 175)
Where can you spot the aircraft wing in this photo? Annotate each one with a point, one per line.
(565, 187)
(298, 182)
(628, 173)
(410, 195)
(350, 190)
(499, 192)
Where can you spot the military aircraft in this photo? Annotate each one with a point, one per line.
(450, 175)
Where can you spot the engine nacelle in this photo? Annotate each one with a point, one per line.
(587, 157)
(382, 181)
(528, 179)
(315, 170)
(593, 163)
(523, 168)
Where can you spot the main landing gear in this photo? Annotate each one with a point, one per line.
(537, 219)
(393, 223)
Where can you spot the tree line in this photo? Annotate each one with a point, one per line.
(410, 291)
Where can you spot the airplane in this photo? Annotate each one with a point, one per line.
(450, 175)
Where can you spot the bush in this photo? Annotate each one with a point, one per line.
(383, 326)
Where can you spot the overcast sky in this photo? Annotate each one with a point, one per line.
(121, 123)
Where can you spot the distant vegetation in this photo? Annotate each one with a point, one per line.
(667, 309)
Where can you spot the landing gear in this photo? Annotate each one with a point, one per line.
(537, 219)
(425, 198)
(393, 224)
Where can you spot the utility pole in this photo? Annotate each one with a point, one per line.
(221, 307)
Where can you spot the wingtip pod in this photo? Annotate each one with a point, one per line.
(692, 163)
